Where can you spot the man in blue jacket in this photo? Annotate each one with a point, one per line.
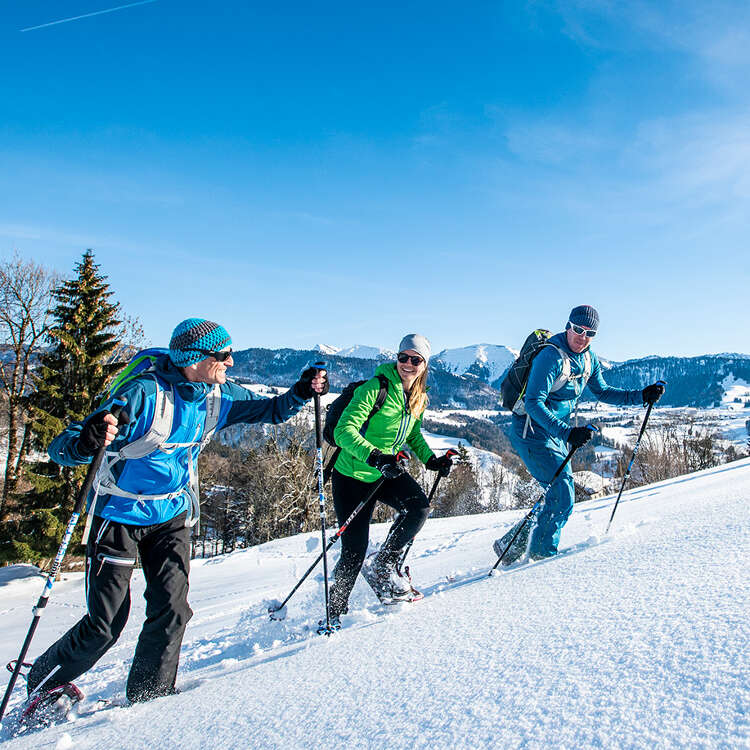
(145, 501)
(559, 373)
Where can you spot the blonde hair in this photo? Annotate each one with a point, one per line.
(418, 399)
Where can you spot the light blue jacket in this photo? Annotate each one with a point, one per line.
(159, 472)
(549, 411)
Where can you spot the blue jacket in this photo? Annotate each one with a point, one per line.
(159, 472)
(549, 412)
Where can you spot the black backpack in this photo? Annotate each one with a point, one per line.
(336, 409)
(513, 387)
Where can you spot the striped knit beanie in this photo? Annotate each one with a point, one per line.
(195, 336)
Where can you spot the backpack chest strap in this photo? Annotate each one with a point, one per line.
(155, 438)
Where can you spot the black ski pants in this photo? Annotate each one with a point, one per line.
(403, 494)
(164, 550)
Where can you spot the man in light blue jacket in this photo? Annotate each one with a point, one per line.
(145, 501)
(559, 373)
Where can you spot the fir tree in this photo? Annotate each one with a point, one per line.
(71, 375)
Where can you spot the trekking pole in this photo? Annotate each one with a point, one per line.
(321, 495)
(278, 609)
(632, 460)
(449, 453)
(536, 505)
(57, 563)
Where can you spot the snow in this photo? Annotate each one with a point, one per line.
(326, 349)
(636, 640)
(734, 388)
(495, 357)
(366, 352)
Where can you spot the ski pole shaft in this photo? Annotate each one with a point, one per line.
(450, 453)
(330, 544)
(321, 495)
(529, 515)
(401, 456)
(630, 464)
(83, 493)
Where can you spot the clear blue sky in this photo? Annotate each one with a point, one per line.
(345, 173)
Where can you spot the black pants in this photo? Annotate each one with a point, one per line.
(165, 555)
(403, 494)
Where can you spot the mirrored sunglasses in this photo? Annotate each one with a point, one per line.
(580, 331)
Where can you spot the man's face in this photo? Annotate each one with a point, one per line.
(578, 342)
(209, 370)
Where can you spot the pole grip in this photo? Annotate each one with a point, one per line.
(93, 469)
(318, 411)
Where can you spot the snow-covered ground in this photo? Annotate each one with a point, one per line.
(728, 421)
(638, 640)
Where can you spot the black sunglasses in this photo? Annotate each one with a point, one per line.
(404, 358)
(580, 331)
(218, 356)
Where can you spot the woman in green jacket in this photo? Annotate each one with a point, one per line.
(368, 456)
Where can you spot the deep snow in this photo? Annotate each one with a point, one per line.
(639, 640)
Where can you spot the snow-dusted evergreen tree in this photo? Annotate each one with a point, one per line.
(71, 376)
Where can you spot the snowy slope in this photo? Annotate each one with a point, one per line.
(636, 641)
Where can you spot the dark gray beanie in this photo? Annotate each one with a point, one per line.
(585, 315)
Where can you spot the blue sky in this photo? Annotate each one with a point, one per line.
(346, 173)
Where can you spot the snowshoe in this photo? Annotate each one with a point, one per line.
(390, 588)
(51, 706)
(517, 549)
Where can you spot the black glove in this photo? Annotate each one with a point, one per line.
(580, 436)
(442, 465)
(94, 432)
(385, 463)
(652, 393)
(303, 387)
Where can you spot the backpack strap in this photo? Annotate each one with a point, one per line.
(161, 427)
(155, 438)
(562, 379)
(376, 407)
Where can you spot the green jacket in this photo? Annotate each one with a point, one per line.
(389, 430)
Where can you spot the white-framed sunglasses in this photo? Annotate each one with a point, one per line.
(580, 331)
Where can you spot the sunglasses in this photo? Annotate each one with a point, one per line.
(580, 331)
(404, 358)
(218, 356)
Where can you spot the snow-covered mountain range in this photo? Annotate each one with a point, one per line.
(487, 362)
(469, 377)
(358, 351)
